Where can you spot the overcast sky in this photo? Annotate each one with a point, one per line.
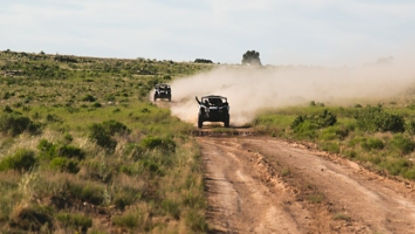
(313, 32)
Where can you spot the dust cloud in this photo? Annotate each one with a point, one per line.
(252, 89)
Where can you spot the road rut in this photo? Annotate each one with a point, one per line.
(264, 185)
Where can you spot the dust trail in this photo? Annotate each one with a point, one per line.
(250, 89)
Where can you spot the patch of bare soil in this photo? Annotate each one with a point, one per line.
(263, 185)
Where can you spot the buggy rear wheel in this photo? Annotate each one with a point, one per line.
(226, 122)
(199, 122)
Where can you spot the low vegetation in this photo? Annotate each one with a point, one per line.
(82, 150)
(379, 137)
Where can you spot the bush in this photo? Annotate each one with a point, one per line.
(320, 120)
(89, 98)
(32, 218)
(126, 197)
(67, 138)
(86, 192)
(15, 124)
(22, 160)
(397, 166)
(76, 221)
(372, 143)
(102, 133)
(47, 149)
(71, 152)
(376, 119)
(165, 144)
(410, 127)
(305, 125)
(64, 164)
(113, 127)
(331, 147)
(410, 174)
(102, 137)
(96, 105)
(402, 144)
(334, 132)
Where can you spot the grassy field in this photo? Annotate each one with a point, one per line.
(83, 150)
(380, 137)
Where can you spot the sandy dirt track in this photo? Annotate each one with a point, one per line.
(264, 185)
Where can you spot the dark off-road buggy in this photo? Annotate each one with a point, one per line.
(213, 109)
(162, 91)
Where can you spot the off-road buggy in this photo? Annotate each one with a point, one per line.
(162, 91)
(213, 109)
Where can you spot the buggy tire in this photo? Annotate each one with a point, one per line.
(199, 122)
(226, 122)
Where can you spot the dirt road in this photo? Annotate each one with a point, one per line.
(263, 185)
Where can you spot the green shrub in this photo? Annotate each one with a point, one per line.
(305, 124)
(86, 192)
(75, 221)
(350, 154)
(32, 218)
(410, 174)
(53, 118)
(126, 197)
(305, 129)
(15, 124)
(165, 144)
(96, 105)
(372, 143)
(402, 144)
(376, 119)
(410, 127)
(71, 152)
(8, 109)
(22, 160)
(47, 149)
(331, 147)
(397, 166)
(67, 138)
(64, 164)
(134, 151)
(102, 137)
(114, 127)
(334, 132)
(89, 98)
(99, 170)
(152, 166)
(102, 133)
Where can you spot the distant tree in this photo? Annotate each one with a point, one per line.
(251, 57)
(200, 60)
